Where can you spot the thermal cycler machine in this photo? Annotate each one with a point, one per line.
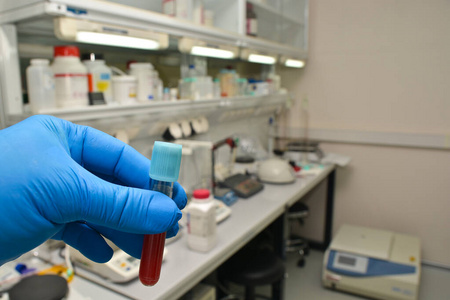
(374, 263)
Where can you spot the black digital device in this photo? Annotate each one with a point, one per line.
(243, 185)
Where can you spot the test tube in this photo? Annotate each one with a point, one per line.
(164, 171)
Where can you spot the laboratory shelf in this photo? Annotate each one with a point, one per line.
(39, 15)
(254, 105)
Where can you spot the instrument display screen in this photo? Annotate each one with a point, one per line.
(351, 261)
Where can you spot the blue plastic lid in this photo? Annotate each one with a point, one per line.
(166, 161)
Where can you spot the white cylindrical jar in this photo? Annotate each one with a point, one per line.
(71, 84)
(124, 89)
(99, 75)
(201, 221)
(145, 77)
(41, 85)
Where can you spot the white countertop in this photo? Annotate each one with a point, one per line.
(184, 268)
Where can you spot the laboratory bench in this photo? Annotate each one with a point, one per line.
(182, 268)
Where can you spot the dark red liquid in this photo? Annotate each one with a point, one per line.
(151, 259)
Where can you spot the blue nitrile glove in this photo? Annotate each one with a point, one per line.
(51, 187)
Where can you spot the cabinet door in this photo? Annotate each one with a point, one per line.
(294, 29)
(282, 21)
(227, 15)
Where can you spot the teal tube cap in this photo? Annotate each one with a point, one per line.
(166, 161)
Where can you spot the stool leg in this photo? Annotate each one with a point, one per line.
(250, 292)
(277, 290)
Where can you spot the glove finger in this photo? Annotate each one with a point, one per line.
(119, 162)
(179, 195)
(173, 231)
(118, 159)
(122, 208)
(86, 240)
(131, 243)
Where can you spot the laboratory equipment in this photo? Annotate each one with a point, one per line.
(120, 268)
(225, 195)
(375, 263)
(201, 221)
(71, 84)
(275, 170)
(41, 85)
(243, 185)
(164, 171)
(222, 211)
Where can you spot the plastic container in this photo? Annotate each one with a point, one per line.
(242, 86)
(144, 72)
(99, 75)
(158, 87)
(228, 82)
(71, 84)
(217, 92)
(201, 222)
(124, 89)
(41, 85)
(196, 88)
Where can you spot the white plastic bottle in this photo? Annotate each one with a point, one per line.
(71, 84)
(201, 221)
(41, 85)
(99, 75)
(144, 72)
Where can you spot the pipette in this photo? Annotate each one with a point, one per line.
(164, 171)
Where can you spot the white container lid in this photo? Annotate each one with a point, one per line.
(39, 62)
(124, 78)
(141, 66)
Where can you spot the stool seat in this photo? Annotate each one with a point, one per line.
(298, 210)
(255, 268)
(261, 269)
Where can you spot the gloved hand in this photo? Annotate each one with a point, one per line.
(64, 181)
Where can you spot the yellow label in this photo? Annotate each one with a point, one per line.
(102, 86)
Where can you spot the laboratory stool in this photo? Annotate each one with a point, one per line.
(295, 243)
(252, 269)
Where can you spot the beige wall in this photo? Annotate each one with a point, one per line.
(383, 66)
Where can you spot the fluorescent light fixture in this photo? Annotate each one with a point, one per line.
(85, 31)
(258, 56)
(294, 63)
(202, 48)
(116, 40)
(212, 52)
(262, 59)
